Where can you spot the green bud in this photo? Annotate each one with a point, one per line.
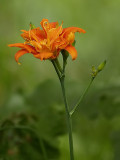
(101, 66)
(93, 69)
(94, 72)
(32, 26)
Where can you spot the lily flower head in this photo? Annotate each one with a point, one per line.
(46, 43)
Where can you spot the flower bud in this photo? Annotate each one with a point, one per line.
(94, 72)
(32, 26)
(101, 66)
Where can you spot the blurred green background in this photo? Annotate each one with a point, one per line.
(30, 94)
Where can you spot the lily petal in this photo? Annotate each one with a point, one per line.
(53, 24)
(66, 31)
(48, 26)
(54, 33)
(34, 34)
(29, 48)
(72, 51)
(44, 55)
(44, 24)
(19, 54)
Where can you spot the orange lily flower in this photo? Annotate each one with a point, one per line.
(48, 42)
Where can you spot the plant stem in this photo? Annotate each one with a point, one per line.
(58, 65)
(61, 77)
(69, 123)
(81, 98)
(56, 69)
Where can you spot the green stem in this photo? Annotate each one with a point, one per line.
(56, 69)
(61, 77)
(58, 65)
(69, 123)
(81, 98)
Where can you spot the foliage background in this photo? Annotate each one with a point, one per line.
(30, 94)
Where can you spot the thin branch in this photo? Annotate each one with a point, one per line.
(81, 98)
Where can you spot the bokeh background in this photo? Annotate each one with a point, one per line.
(30, 94)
